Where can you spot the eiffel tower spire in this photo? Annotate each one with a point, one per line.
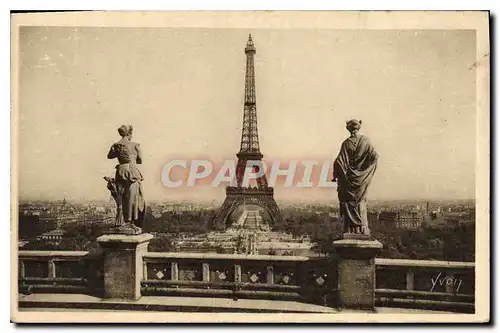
(249, 133)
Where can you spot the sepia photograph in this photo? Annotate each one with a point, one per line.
(250, 167)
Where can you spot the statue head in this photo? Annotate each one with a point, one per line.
(125, 131)
(353, 126)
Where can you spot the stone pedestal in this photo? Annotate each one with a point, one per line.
(356, 272)
(126, 229)
(123, 264)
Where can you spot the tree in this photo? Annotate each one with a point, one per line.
(220, 249)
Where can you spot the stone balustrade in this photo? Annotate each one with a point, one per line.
(427, 284)
(431, 285)
(240, 276)
(60, 271)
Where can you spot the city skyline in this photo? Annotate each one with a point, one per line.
(110, 202)
(182, 89)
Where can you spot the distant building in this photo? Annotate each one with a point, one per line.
(409, 220)
(373, 219)
(401, 219)
(53, 237)
(457, 218)
(387, 219)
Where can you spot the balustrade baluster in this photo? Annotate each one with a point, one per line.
(449, 284)
(206, 272)
(52, 268)
(174, 270)
(237, 273)
(410, 278)
(144, 270)
(270, 274)
(22, 269)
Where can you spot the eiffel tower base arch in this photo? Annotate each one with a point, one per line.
(237, 196)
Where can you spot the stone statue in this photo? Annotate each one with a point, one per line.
(353, 171)
(126, 187)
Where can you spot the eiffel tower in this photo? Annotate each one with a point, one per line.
(242, 194)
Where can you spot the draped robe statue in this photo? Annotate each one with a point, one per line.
(126, 187)
(353, 170)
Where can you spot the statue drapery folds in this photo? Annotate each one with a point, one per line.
(353, 171)
(126, 187)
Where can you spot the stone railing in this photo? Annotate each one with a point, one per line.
(60, 272)
(426, 284)
(349, 279)
(240, 276)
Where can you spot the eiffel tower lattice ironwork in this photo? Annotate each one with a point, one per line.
(242, 194)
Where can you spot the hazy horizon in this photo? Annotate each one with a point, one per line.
(326, 201)
(182, 90)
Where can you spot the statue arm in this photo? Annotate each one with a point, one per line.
(139, 154)
(334, 176)
(112, 152)
(373, 153)
(342, 153)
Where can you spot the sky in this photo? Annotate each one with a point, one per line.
(182, 90)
